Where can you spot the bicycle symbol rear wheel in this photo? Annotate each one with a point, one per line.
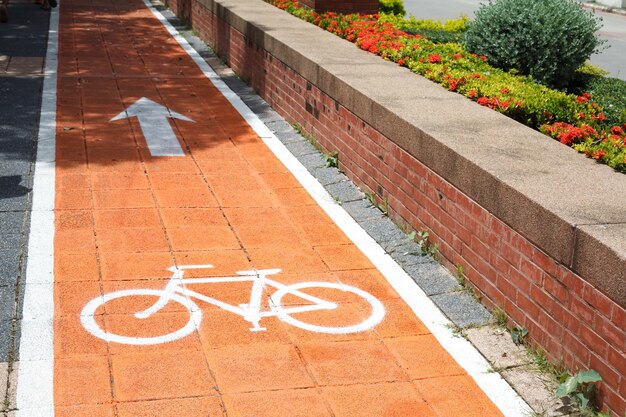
(376, 316)
(88, 317)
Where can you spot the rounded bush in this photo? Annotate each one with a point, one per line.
(395, 7)
(546, 39)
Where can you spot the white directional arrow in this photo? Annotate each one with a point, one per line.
(160, 136)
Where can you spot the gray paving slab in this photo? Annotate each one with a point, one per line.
(343, 191)
(383, 230)
(462, 309)
(408, 253)
(302, 148)
(279, 127)
(7, 302)
(11, 221)
(362, 210)
(5, 339)
(10, 241)
(328, 175)
(9, 264)
(10, 165)
(432, 278)
(313, 161)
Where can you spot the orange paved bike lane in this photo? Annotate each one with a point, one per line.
(124, 216)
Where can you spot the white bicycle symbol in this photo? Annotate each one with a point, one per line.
(176, 291)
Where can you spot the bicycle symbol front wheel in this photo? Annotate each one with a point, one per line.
(88, 317)
(376, 316)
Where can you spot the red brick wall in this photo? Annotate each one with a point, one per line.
(568, 318)
(342, 6)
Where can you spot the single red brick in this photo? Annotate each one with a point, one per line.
(542, 298)
(594, 342)
(572, 281)
(555, 288)
(619, 316)
(545, 262)
(573, 344)
(617, 360)
(581, 309)
(600, 301)
(608, 331)
(511, 255)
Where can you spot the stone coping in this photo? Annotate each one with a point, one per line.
(566, 204)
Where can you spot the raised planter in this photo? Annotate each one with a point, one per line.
(538, 229)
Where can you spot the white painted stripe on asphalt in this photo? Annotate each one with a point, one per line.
(35, 396)
(496, 388)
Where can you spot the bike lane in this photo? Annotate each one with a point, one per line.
(155, 169)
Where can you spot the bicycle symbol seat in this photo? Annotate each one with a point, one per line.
(177, 291)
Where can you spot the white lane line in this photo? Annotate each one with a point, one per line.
(496, 388)
(35, 396)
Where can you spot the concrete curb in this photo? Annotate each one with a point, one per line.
(607, 9)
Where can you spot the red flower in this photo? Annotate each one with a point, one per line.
(401, 62)
(483, 101)
(434, 58)
(599, 154)
(601, 117)
(472, 93)
(484, 58)
(457, 56)
(505, 90)
(585, 97)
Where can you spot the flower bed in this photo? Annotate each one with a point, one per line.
(577, 121)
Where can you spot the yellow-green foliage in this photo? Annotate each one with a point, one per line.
(412, 24)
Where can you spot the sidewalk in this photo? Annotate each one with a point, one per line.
(160, 184)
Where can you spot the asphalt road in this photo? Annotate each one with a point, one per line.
(612, 59)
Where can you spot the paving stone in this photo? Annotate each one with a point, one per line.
(362, 210)
(328, 175)
(343, 191)
(383, 230)
(432, 278)
(9, 263)
(462, 309)
(407, 253)
(496, 344)
(536, 389)
(11, 221)
(7, 302)
(313, 161)
(9, 241)
(281, 127)
(302, 148)
(5, 339)
(13, 183)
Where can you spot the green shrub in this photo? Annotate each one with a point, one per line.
(610, 94)
(547, 39)
(395, 7)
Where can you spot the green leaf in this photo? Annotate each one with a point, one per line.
(567, 388)
(585, 377)
(583, 401)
